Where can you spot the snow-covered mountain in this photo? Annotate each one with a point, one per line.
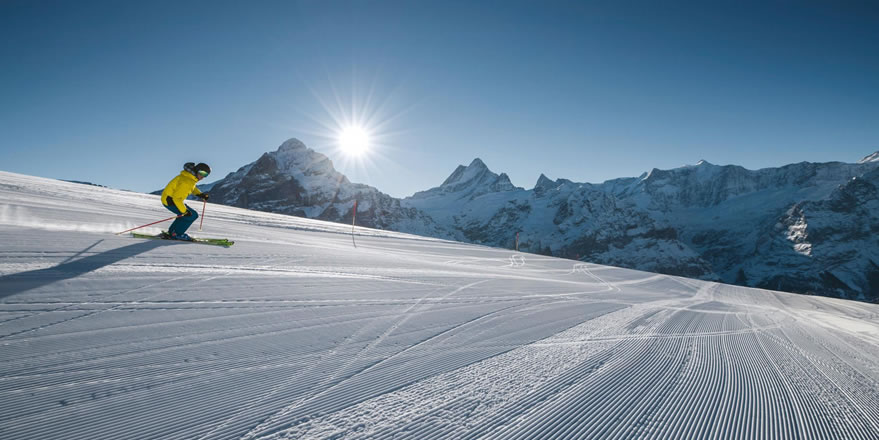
(469, 182)
(297, 180)
(750, 226)
(559, 218)
(706, 221)
(782, 228)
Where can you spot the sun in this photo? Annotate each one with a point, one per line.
(354, 141)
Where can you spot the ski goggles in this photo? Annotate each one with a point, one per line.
(203, 173)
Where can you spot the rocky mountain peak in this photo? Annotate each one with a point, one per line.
(455, 176)
(503, 182)
(469, 182)
(477, 164)
(291, 145)
(544, 182)
(476, 171)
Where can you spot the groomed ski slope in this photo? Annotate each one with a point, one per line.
(296, 333)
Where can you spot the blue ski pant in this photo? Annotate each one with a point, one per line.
(181, 224)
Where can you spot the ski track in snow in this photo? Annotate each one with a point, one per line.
(294, 333)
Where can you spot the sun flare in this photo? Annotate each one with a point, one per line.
(354, 141)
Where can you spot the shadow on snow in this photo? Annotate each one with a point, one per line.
(70, 268)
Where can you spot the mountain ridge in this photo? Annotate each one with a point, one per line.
(766, 228)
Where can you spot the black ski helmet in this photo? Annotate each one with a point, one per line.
(202, 170)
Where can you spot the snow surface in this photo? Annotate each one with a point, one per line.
(303, 331)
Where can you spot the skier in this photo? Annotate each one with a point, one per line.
(177, 190)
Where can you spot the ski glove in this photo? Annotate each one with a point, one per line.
(188, 213)
(203, 196)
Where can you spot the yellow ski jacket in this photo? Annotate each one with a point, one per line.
(179, 188)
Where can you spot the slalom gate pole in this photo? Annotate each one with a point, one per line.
(353, 216)
(203, 208)
(353, 219)
(150, 224)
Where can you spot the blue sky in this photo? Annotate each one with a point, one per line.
(122, 93)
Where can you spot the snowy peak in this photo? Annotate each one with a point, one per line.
(503, 183)
(470, 181)
(543, 182)
(475, 170)
(701, 166)
(467, 182)
(292, 144)
(289, 173)
(871, 158)
(455, 176)
(546, 186)
(295, 159)
(477, 164)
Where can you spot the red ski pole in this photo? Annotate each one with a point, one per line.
(203, 208)
(150, 224)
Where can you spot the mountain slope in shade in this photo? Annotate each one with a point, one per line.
(743, 223)
(835, 238)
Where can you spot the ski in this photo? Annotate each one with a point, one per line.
(212, 241)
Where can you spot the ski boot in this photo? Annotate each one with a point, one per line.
(173, 236)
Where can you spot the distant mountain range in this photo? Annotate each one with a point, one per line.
(805, 227)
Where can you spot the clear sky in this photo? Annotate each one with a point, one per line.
(122, 93)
